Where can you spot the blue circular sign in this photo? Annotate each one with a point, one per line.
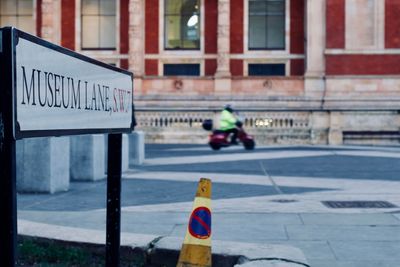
(200, 223)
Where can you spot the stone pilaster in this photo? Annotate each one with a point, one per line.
(51, 21)
(316, 35)
(335, 134)
(136, 42)
(222, 76)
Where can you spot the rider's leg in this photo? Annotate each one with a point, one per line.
(234, 132)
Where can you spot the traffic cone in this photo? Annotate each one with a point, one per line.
(196, 248)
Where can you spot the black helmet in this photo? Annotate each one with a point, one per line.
(228, 108)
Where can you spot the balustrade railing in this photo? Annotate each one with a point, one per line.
(185, 126)
(194, 119)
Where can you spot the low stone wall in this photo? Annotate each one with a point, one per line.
(277, 127)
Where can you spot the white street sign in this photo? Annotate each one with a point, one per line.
(57, 89)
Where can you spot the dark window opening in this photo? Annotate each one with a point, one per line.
(266, 69)
(181, 69)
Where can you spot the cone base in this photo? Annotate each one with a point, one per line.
(194, 256)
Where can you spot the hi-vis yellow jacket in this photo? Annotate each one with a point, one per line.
(227, 121)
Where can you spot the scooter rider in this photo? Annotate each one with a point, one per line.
(228, 123)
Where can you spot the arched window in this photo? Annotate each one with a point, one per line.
(182, 24)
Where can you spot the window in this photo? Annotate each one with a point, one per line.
(266, 24)
(98, 24)
(182, 24)
(266, 69)
(181, 69)
(17, 13)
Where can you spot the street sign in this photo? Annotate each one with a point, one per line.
(48, 90)
(60, 92)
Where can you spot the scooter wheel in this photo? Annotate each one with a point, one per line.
(249, 144)
(215, 146)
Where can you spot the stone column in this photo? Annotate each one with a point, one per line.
(223, 75)
(51, 21)
(136, 42)
(316, 35)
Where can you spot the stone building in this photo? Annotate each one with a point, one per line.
(298, 71)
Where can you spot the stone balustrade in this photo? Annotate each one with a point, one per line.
(276, 127)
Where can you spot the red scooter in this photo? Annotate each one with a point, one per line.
(218, 139)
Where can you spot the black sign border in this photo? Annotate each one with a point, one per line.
(18, 134)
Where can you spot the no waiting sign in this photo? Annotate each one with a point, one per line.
(59, 92)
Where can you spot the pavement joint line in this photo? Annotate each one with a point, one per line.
(276, 187)
(174, 227)
(301, 219)
(332, 250)
(286, 233)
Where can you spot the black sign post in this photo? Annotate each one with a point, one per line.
(113, 200)
(100, 100)
(8, 199)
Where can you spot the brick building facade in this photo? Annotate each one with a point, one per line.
(298, 71)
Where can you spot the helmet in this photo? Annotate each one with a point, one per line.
(228, 108)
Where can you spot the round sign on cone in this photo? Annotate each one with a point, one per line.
(196, 248)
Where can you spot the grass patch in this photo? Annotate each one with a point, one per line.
(39, 252)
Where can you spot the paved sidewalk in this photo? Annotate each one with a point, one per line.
(272, 196)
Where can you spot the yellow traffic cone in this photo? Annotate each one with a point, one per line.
(196, 248)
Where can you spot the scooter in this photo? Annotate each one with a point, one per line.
(219, 139)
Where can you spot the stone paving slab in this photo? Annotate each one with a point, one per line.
(358, 263)
(367, 250)
(315, 250)
(349, 219)
(266, 219)
(348, 233)
(268, 263)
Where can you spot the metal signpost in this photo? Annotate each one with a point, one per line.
(47, 90)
